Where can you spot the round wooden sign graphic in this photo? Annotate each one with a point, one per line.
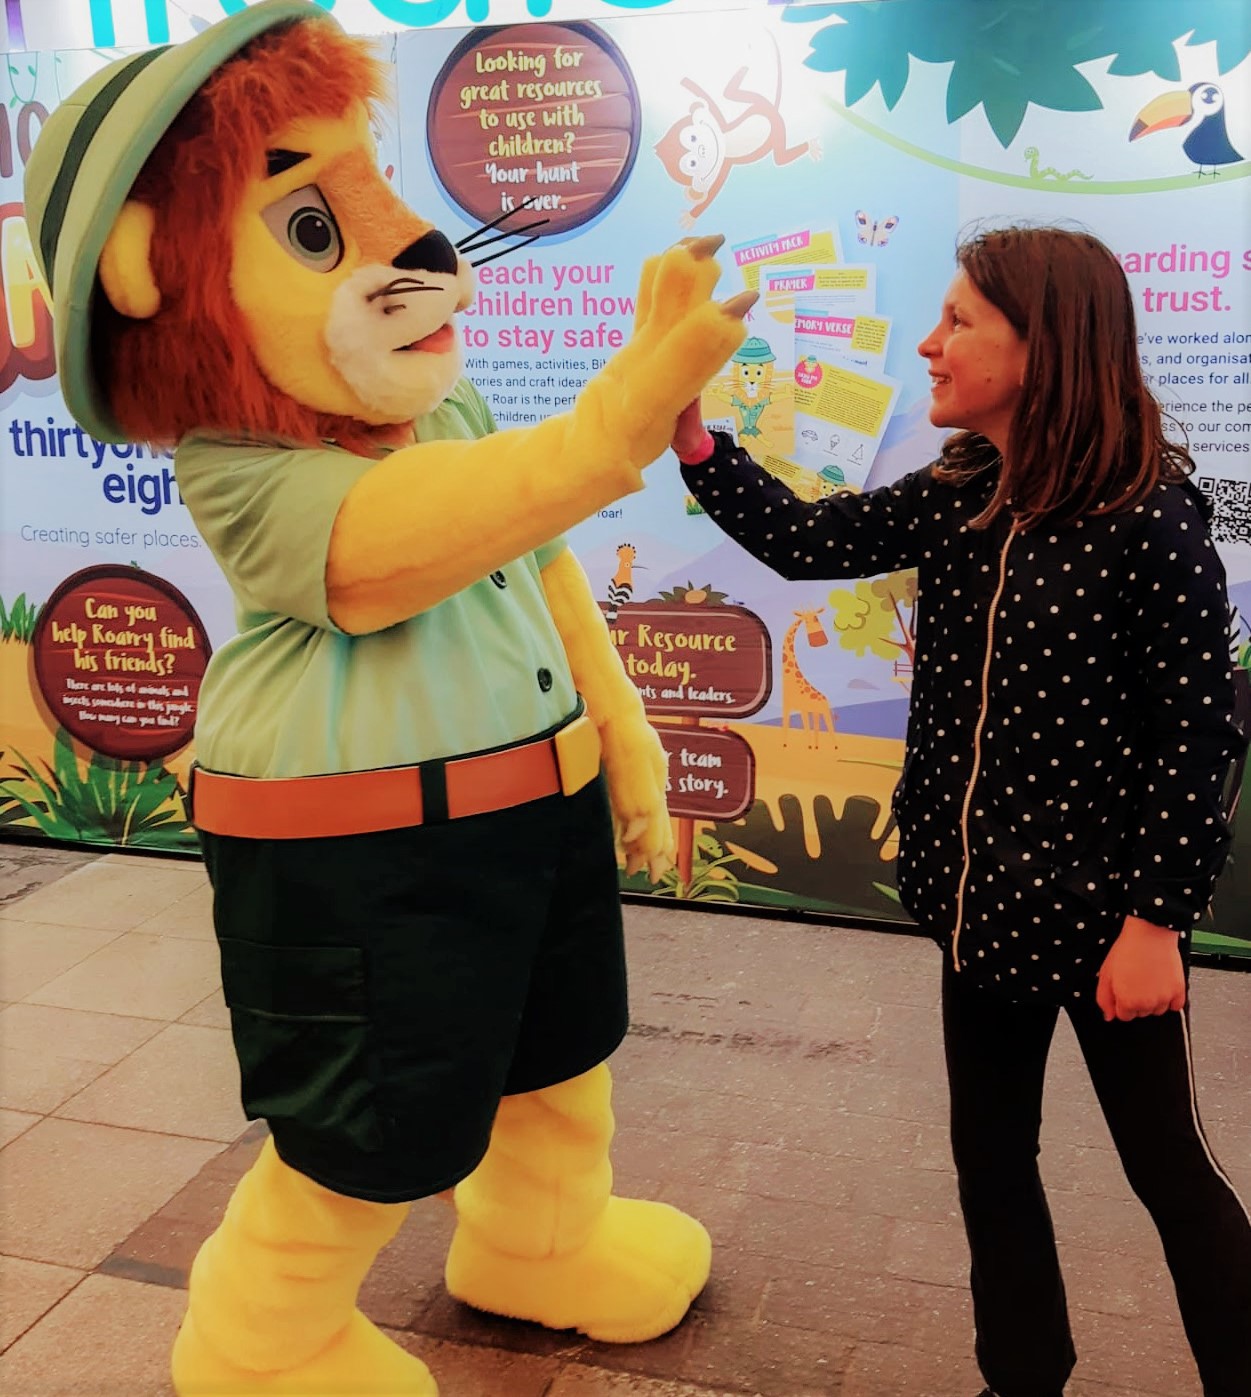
(547, 113)
(119, 657)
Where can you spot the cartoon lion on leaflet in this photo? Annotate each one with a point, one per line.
(420, 746)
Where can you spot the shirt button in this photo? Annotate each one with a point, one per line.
(544, 677)
(500, 580)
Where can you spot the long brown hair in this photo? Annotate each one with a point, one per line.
(1087, 435)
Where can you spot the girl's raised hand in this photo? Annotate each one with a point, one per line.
(689, 433)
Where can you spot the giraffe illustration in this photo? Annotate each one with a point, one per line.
(799, 696)
(621, 588)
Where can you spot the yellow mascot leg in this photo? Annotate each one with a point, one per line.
(272, 1305)
(540, 1237)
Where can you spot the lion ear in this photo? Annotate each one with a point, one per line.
(126, 263)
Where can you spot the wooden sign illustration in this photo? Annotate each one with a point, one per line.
(711, 662)
(712, 775)
(697, 664)
(544, 112)
(119, 656)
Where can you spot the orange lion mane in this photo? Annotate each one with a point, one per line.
(191, 368)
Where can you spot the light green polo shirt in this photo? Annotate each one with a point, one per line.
(291, 694)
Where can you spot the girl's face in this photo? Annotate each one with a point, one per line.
(977, 364)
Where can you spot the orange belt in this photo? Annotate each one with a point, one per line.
(365, 802)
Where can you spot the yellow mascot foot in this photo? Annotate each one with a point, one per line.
(632, 1280)
(360, 1362)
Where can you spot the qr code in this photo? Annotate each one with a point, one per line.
(1231, 507)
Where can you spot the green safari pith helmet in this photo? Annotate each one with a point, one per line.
(754, 351)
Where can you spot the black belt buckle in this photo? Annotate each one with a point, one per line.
(188, 798)
(432, 777)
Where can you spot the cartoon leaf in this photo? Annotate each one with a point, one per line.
(18, 621)
(807, 14)
(864, 48)
(1007, 55)
(1010, 54)
(873, 41)
(1062, 89)
(892, 78)
(1007, 79)
(1228, 29)
(1143, 39)
(1093, 41)
(1150, 54)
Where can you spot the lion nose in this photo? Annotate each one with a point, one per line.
(431, 253)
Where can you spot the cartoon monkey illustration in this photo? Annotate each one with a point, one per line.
(701, 148)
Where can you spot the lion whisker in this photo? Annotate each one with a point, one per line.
(462, 245)
(507, 251)
(400, 287)
(475, 242)
(506, 233)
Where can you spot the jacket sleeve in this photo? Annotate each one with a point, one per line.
(843, 535)
(1177, 623)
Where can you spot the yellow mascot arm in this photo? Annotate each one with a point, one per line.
(432, 518)
(635, 763)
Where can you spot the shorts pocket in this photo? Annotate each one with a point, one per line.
(299, 1016)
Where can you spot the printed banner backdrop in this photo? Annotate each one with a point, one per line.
(110, 604)
(840, 148)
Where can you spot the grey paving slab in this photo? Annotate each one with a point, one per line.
(27, 866)
(783, 1081)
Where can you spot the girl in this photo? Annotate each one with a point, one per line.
(1060, 815)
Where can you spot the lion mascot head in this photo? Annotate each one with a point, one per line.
(257, 274)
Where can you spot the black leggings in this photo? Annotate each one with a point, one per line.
(1141, 1071)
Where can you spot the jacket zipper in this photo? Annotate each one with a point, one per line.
(977, 744)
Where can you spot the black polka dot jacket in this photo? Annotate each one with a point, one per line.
(1071, 727)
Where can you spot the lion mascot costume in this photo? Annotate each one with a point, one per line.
(418, 750)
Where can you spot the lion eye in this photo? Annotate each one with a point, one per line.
(304, 226)
(310, 231)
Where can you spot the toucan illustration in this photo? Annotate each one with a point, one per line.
(1208, 145)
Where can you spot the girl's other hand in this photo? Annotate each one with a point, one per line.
(1142, 974)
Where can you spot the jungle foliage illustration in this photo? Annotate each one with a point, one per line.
(848, 874)
(1014, 53)
(138, 805)
(712, 879)
(51, 790)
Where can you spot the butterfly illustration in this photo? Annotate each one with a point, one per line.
(875, 233)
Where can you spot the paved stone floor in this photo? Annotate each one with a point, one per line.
(781, 1080)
